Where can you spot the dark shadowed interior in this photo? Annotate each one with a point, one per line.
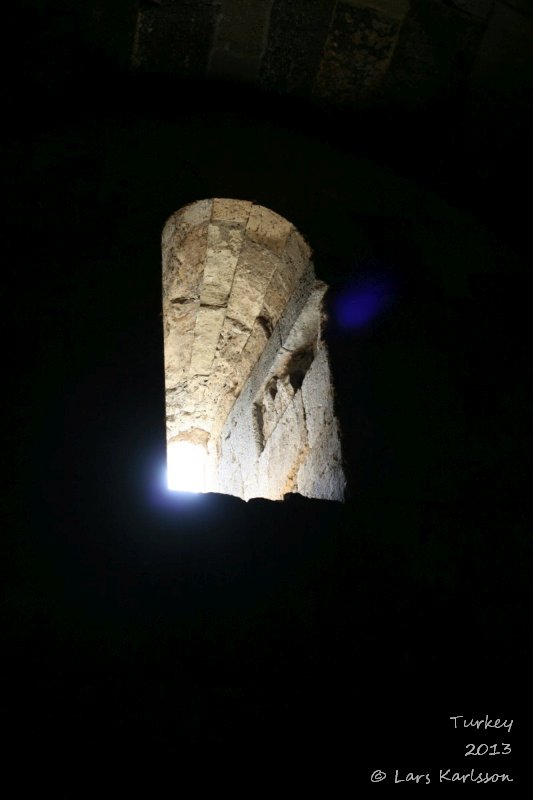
(329, 638)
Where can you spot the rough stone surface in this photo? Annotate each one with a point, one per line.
(350, 53)
(357, 53)
(296, 39)
(252, 277)
(233, 338)
(268, 229)
(224, 243)
(284, 413)
(321, 474)
(180, 325)
(184, 261)
(209, 323)
(195, 213)
(317, 397)
(231, 211)
(242, 318)
(274, 301)
(171, 39)
(285, 450)
(305, 303)
(294, 260)
(255, 345)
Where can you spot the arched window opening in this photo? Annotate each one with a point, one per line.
(249, 400)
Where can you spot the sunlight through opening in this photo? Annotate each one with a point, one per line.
(186, 463)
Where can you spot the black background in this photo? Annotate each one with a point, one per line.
(332, 639)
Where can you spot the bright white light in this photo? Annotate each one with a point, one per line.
(186, 467)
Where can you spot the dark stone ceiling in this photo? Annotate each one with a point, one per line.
(345, 51)
(439, 90)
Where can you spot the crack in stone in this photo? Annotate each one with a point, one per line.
(180, 301)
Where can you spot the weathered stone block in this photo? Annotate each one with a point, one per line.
(195, 213)
(294, 260)
(168, 232)
(320, 474)
(179, 325)
(278, 395)
(183, 264)
(252, 276)
(189, 394)
(298, 324)
(268, 229)
(233, 337)
(224, 243)
(357, 53)
(236, 211)
(178, 349)
(253, 348)
(284, 451)
(275, 300)
(317, 397)
(264, 365)
(206, 333)
(296, 38)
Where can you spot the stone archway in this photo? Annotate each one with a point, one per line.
(248, 387)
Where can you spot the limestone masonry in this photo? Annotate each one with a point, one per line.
(246, 371)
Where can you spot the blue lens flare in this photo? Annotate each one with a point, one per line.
(362, 301)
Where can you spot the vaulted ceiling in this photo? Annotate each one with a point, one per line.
(343, 51)
(229, 267)
(440, 90)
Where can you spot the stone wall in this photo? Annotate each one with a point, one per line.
(229, 268)
(281, 435)
(242, 314)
